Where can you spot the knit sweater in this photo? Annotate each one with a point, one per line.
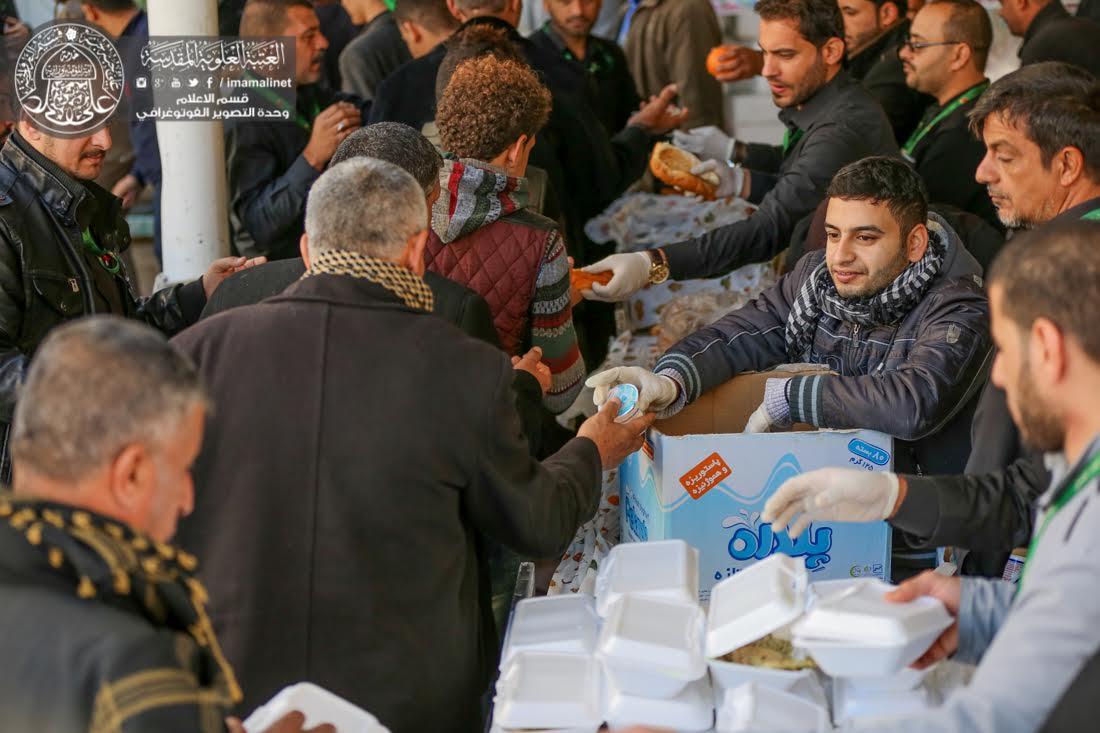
(485, 238)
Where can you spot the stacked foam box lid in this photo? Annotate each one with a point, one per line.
(643, 651)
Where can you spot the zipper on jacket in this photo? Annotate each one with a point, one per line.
(74, 284)
(73, 254)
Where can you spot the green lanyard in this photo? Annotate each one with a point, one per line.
(790, 139)
(1093, 215)
(968, 96)
(1090, 472)
(109, 260)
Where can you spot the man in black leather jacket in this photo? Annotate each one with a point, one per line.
(61, 237)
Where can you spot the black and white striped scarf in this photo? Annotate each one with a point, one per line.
(818, 297)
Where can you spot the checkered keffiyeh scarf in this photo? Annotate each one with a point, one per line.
(818, 297)
(400, 281)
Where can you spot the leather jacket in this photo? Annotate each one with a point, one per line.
(45, 277)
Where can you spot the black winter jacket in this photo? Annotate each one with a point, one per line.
(46, 277)
(910, 379)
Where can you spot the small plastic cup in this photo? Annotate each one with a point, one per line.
(627, 395)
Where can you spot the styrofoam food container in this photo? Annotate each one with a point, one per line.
(854, 704)
(318, 705)
(667, 569)
(727, 675)
(906, 679)
(562, 624)
(651, 647)
(755, 602)
(754, 707)
(858, 633)
(691, 710)
(545, 690)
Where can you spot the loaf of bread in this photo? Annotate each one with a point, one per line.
(673, 166)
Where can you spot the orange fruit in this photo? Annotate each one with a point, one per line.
(714, 58)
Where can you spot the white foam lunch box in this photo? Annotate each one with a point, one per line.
(549, 691)
(651, 647)
(319, 706)
(763, 599)
(691, 711)
(856, 632)
(565, 624)
(668, 569)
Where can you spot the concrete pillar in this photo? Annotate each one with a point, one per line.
(194, 218)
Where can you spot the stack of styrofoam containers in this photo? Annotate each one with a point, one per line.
(857, 637)
(763, 599)
(867, 643)
(550, 678)
(651, 644)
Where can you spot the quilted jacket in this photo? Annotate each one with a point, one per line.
(484, 237)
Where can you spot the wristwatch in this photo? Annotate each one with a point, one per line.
(658, 270)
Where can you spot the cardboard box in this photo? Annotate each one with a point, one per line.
(699, 479)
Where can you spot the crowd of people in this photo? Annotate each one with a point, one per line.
(324, 459)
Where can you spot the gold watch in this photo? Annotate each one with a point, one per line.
(658, 270)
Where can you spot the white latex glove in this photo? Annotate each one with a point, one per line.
(655, 391)
(630, 274)
(731, 178)
(708, 142)
(759, 421)
(832, 494)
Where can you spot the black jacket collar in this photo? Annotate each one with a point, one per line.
(1079, 210)
(1054, 10)
(818, 106)
(74, 202)
(859, 65)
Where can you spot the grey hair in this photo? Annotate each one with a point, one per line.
(96, 386)
(365, 205)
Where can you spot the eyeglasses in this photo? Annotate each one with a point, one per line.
(915, 46)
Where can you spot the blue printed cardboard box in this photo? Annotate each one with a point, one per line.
(695, 482)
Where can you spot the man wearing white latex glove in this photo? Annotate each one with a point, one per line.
(655, 391)
(630, 273)
(834, 495)
(733, 180)
(774, 411)
(708, 142)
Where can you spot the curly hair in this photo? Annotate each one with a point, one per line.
(488, 103)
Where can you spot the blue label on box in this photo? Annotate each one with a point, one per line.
(710, 491)
(872, 453)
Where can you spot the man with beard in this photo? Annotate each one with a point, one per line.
(61, 239)
(272, 163)
(830, 122)
(874, 31)
(1033, 638)
(945, 56)
(1041, 126)
(893, 305)
(602, 63)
